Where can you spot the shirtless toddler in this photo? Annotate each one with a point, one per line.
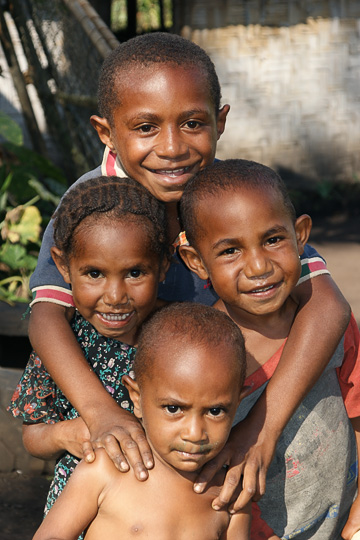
(189, 373)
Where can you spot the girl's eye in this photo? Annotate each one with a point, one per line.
(216, 411)
(94, 274)
(172, 409)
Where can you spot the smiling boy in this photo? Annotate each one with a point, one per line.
(246, 238)
(187, 406)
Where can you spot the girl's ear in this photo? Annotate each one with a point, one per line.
(61, 265)
(134, 392)
(302, 230)
(193, 261)
(103, 129)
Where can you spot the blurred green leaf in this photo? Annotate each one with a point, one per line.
(10, 130)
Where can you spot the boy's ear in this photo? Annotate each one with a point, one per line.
(303, 226)
(134, 393)
(61, 264)
(103, 129)
(221, 120)
(193, 261)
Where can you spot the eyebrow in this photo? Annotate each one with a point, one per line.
(152, 117)
(223, 242)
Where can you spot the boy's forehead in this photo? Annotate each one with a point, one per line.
(140, 73)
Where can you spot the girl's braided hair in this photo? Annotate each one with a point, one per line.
(112, 198)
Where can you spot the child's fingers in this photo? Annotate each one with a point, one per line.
(231, 485)
(88, 451)
(209, 470)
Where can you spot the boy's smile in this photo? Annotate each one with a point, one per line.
(187, 403)
(249, 249)
(114, 276)
(165, 128)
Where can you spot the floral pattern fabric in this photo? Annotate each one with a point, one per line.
(38, 399)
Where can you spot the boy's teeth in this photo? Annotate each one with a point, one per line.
(115, 317)
(264, 289)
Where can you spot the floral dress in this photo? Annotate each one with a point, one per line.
(38, 399)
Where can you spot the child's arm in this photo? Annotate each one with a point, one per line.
(239, 526)
(353, 523)
(110, 426)
(73, 511)
(50, 441)
(322, 318)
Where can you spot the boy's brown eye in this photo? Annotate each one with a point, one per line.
(192, 124)
(146, 128)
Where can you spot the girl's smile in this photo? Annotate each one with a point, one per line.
(114, 275)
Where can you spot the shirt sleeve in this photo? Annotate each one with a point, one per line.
(46, 283)
(312, 264)
(349, 372)
(34, 399)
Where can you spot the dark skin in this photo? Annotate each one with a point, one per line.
(180, 138)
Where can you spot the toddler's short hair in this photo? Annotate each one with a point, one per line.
(188, 323)
(147, 50)
(227, 175)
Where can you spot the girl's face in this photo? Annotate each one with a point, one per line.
(114, 275)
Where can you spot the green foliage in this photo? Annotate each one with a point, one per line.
(148, 15)
(30, 190)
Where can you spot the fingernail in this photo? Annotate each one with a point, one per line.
(149, 464)
(232, 511)
(197, 488)
(216, 507)
(143, 475)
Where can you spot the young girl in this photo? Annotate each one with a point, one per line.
(111, 246)
(245, 237)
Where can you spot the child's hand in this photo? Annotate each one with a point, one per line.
(124, 440)
(248, 454)
(353, 523)
(75, 438)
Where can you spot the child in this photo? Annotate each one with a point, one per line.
(159, 97)
(245, 238)
(113, 295)
(186, 390)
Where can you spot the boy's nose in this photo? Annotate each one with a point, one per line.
(258, 265)
(171, 144)
(194, 431)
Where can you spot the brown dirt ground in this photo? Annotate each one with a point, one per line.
(22, 496)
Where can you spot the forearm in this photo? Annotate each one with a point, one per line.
(42, 440)
(322, 318)
(56, 345)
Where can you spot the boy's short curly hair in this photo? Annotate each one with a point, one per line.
(110, 197)
(227, 175)
(188, 323)
(147, 50)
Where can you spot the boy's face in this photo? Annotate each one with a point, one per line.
(188, 402)
(165, 130)
(115, 294)
(249, 248)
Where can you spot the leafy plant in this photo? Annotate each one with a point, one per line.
(30, 190)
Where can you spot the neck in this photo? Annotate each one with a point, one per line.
(274, 325)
